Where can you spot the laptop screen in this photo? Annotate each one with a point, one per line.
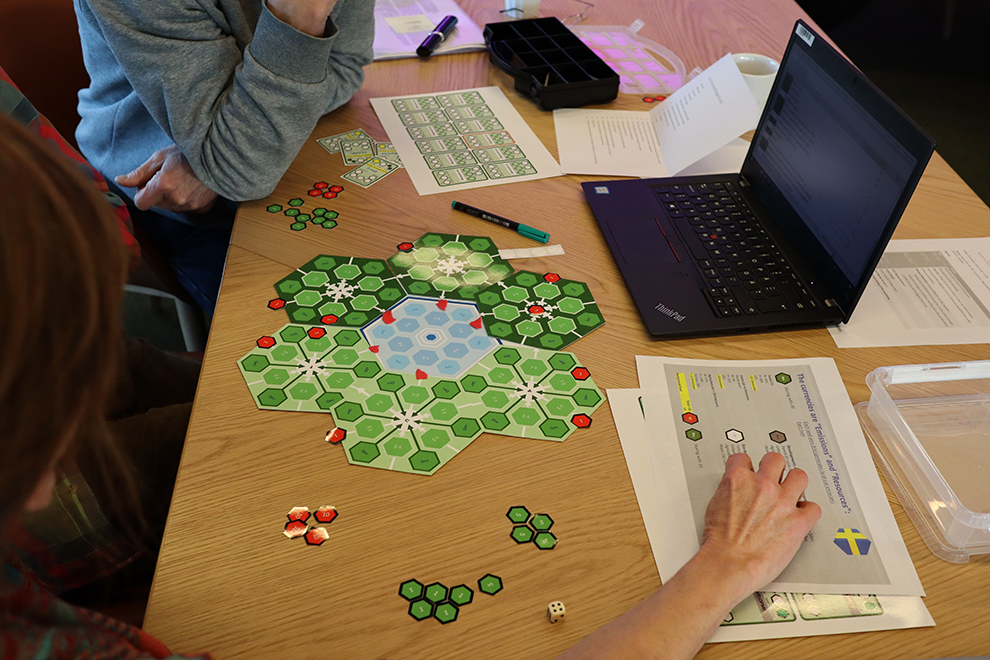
(829, 164)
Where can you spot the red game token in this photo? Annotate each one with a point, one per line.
(295, 528)
(266, 342)
(580, 373)
(335, 435)
(336, 189)
(649, 99)
(315, 193)
(552, 277)
(581, 421)
(277, 303)
(300, 513)
(316, 536)
(316, 333)
(405, 247)
(321, 185)
(325, 514)
(329, 319)
(329, 195)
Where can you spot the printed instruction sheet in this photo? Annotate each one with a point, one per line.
(469, 138)
(699, 412)
(402, 25)
(704, 115)
(793, 614)
(924, 292)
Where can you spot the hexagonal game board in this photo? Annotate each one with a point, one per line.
(449, 265)
(539, 310)
(416, 423)
(342, 291)
(429, 336)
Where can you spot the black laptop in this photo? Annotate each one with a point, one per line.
(792, 240)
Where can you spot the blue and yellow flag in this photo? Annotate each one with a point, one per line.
(852, 541)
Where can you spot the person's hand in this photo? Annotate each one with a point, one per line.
(308, 16)
(756, 521)
(167, 181)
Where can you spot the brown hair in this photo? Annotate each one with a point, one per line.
(62, 271)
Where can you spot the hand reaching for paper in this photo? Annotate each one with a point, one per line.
(167, 181)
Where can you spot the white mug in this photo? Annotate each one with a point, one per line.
(758, 71)
(521, 9)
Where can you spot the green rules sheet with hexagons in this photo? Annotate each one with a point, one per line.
(411, 367)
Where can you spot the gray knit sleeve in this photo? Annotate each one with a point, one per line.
(240, 113)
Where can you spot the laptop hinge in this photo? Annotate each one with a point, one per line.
(830, 303)
(742, 181)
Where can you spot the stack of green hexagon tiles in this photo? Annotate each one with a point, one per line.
(539, 310)
(400, 422)
(449, 265)
(343, 291)
(435, 600)
(533, 528)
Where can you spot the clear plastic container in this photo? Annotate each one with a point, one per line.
(928, 427)
(644, 66)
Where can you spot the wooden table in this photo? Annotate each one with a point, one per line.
(230, 583)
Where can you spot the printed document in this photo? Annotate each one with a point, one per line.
(791, 614)
(699, 412)
(923, 292)
(704, 115)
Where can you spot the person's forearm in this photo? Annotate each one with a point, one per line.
(674, 622)
(307, 16)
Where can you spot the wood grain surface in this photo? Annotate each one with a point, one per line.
(228, 582)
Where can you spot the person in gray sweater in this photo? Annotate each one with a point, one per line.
(195, 105)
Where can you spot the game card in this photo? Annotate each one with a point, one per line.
(371, 171)
(356, 151)
(470, 112)
(453, 159)
(431, 131)
(332, 143)
(456, 175)
(513, 168)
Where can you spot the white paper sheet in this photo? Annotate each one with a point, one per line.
(707, 113)
(800, 619)
(924, 292)
(400, 27)
(705, 410)
(468, 138)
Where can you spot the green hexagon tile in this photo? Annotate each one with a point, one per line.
(449, 265)
(539, 310)
(340, 291)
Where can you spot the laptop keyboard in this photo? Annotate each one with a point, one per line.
(744, 271)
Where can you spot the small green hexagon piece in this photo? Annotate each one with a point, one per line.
(494, 421)
(490, 584)
(465, 427)
(274, 208)
(445, 613)
(518, 514)
(506, 355)
(436, 593)
(522, 534)
(411, 589)
(446, 389)
(424, 460)
(473, 383)
(329, 224)
(545, 540)
(304, 217)
(271, 398)
(461, 594)
(292, 212)
(421, 609)
(297, 226)
(295, 202)
(541, 522)
(364, 452)
(256, 363)
(391, 382)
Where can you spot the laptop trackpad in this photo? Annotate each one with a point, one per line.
(642, 242)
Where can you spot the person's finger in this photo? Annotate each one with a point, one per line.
(794, 483)
(151, 195)
(810, 512)
(772, 466)
(143, 173)
(739, 460)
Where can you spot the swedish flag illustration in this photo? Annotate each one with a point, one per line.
(852, 541)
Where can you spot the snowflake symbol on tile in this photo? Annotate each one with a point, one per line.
(409, 420)
(450, 266)
(539, 309)
(309, 368)
(529, 391)
(337, 291)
